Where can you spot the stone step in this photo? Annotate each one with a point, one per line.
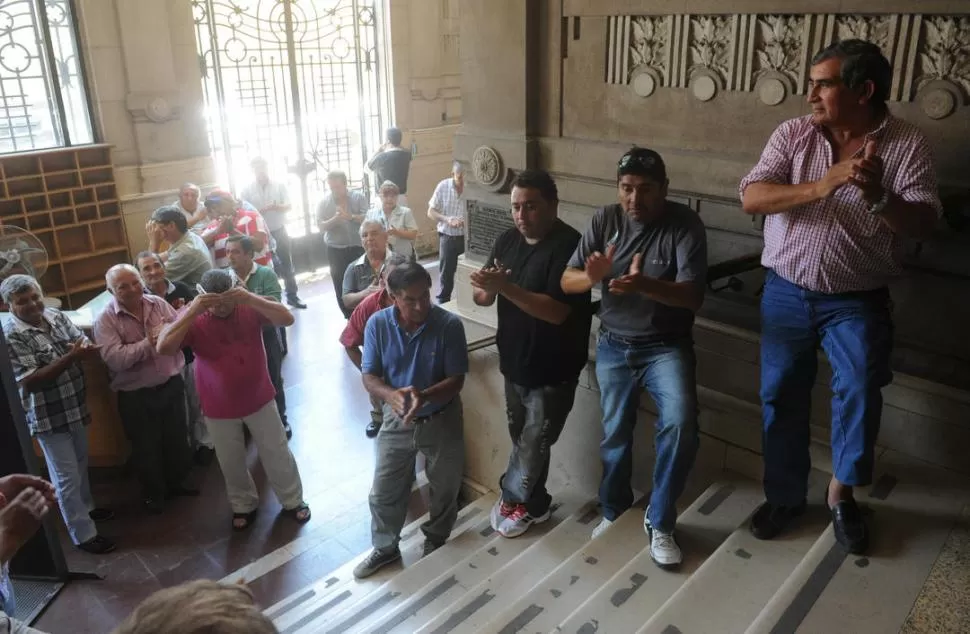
(307, 609)
(632, 595)
(426, 603)
(730, 589)
(575, 579)
(910, 515)
(519, 577)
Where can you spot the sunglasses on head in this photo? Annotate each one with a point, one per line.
(645, 161)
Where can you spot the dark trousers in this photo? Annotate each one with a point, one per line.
(154, 419)
(536, 416)
(449, 248)
(283, 261)
(340, 258)
(856, 333)
(274, 363)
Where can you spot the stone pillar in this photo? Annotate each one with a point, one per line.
(147, 95)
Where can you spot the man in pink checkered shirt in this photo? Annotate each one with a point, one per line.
(840, 188)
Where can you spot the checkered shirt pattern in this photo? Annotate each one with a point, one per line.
(835, 245)
(31, 348)
(448, 202)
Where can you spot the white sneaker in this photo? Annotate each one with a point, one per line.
(601, 527)
(519, 521)
(500, 510)
(663, 547)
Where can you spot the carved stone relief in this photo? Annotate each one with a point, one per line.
(488, 168)
(769, 54)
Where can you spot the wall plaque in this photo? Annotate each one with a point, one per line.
(485, 224)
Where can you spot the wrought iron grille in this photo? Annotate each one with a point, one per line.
(298, 82)
(43, 99)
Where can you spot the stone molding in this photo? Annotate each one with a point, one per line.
(769, 54)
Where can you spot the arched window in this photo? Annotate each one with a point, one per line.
(43, 97)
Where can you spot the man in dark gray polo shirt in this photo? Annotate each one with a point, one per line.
(365, 274)
(339, 216)
(649, 257)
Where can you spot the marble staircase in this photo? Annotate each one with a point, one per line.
(555, 578)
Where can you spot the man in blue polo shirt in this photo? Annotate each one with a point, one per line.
(415, 361)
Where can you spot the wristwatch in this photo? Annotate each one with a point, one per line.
(879, 206)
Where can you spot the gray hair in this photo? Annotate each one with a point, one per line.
(371, 223)
(217, 280)
(389, 185)
(118, 268)
(17, 284)
(457, 167)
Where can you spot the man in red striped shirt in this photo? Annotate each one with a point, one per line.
(231, 218)
(840, 189)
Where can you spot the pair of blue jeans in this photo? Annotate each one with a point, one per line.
(66, 453)
(667, 373)
(856, 332)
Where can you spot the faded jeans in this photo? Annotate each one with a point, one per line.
(536, 417)
(440, 438)
(66, 453)
(667, 372)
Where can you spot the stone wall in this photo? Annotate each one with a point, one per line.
(569, 85)
(146, 90)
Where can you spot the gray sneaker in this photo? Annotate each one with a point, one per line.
(377, 559)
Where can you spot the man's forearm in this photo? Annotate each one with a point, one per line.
(689, 295)
(171, 338)
(772, 198)
(274, 311)
(444, 391)
(376, 387)
(352, 300)
(434, 215)
(913, 220)
(537, 305)
(355, 354)
(43, 378)
(575, 281)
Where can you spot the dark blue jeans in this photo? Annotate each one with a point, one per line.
(667, 372)
(856, 333)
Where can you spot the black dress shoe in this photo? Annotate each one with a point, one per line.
(288, 430)
(97, 545)
(183, 491)
(770, 519)
(154, 507)
(849, 526)
(372, 428)
(101, 515)
(295, 302)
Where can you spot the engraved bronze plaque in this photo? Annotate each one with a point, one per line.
(485, 224)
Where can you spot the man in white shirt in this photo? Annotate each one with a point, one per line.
(447, 208)
(402, 230)
(272, 201)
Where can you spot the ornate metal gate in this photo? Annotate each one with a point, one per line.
(298, 82)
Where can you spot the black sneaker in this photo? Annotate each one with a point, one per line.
(373, 428)
(850, 527)
(770, 520)
(97, 545)
(377, 559)
(204, 455)
(288, 430)
(101, 515)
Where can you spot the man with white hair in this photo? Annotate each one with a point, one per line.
(398, 221)
(46, 351)
(190, 204)
(362, 278)
(151, 392)
(447, 208)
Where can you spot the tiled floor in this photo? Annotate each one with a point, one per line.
(328, 409)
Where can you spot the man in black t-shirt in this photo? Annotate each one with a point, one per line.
(392, 163)
(543, 342)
